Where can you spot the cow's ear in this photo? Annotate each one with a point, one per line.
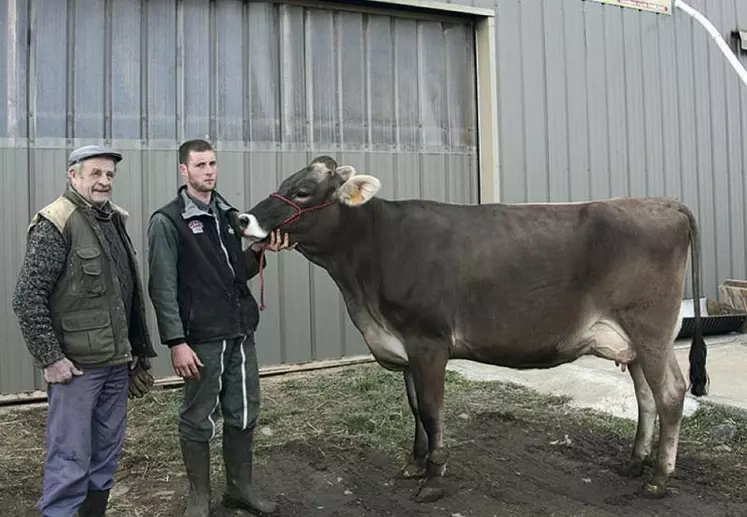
(345, 172)
(358, 190)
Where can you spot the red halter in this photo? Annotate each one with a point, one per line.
(291, 219)
(299, 210)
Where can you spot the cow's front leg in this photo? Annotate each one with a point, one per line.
(428, 372)
(417, 465)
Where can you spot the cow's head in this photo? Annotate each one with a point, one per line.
(307, 205)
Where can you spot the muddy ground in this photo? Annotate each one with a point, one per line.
(331, 444)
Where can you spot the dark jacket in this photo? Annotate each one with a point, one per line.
(199, 274)
(67, 296)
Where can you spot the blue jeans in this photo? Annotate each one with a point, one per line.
(86, 425)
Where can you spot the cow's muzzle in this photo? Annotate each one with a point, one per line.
(251, 229)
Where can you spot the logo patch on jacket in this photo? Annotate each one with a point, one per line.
(196, 226)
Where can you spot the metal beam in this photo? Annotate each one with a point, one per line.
(440, 6)
(39, 396)
(487, 111)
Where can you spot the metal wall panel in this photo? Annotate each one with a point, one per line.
(16, 366)
(594, 101)
(4, 62)
(598, 101)
(272, 85)
(13, 59)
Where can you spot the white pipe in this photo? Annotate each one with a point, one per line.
(716, 36)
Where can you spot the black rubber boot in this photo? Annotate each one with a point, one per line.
(95, 504)
(237, 456)
(196, 457)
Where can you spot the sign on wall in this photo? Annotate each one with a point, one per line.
(656, 6)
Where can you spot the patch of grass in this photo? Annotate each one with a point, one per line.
(366, 405)
(21, 456)
(597, 421)
(698, 431)
(361, 405)
(152, 441)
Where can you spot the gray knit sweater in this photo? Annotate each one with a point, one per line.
(46, 253)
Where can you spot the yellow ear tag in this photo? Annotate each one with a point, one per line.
(356, 197)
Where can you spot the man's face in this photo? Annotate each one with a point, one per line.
(201, 171)
(95, 180)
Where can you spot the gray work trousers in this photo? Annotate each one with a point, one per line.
(229, 379)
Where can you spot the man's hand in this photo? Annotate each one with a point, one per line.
(185, 361)
(61, 372)
(141, 380)
(277, 243)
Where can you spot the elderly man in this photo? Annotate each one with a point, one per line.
(80, 306)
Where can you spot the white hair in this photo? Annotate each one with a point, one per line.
(78, 167)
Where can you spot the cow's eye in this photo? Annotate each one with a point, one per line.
(302, 194)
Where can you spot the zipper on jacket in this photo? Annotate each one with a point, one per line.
(222, 246)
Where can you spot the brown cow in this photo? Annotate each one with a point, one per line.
(520, 286)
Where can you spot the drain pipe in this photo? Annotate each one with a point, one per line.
(716, 36)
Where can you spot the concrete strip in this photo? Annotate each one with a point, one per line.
(597, 384)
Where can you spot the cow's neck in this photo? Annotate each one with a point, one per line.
(352, 250)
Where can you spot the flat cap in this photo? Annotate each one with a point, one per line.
(92, 151)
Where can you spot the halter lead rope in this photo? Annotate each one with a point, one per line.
(291, 219)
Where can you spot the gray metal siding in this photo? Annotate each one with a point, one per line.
(272, 85)
(594, 101)
(598, 101)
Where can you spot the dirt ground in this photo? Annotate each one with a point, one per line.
(503, 468)
(512, 453)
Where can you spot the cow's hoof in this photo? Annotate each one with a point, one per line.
(414, 470)
(654, 490)
(632, 468)
(431, 490)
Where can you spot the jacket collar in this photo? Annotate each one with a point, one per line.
(78, 200)
(191, 209)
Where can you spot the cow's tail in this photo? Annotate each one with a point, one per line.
(698, 375)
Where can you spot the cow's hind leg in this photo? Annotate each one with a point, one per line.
(417, 466)
(659, 366)
(646, 422)
(428, 373)
(668, 387)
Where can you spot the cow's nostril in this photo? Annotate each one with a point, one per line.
(251, 228)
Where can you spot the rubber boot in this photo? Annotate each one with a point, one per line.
(196, 457)
(95, 504)
(237, 456)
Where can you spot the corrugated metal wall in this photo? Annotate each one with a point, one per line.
(594, 101)
(272, 85)
(598, 101)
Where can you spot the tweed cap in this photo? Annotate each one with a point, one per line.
(91, 151)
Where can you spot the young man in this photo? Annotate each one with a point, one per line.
(207, 316)
(80, 306)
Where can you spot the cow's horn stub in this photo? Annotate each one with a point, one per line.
(345, 172)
